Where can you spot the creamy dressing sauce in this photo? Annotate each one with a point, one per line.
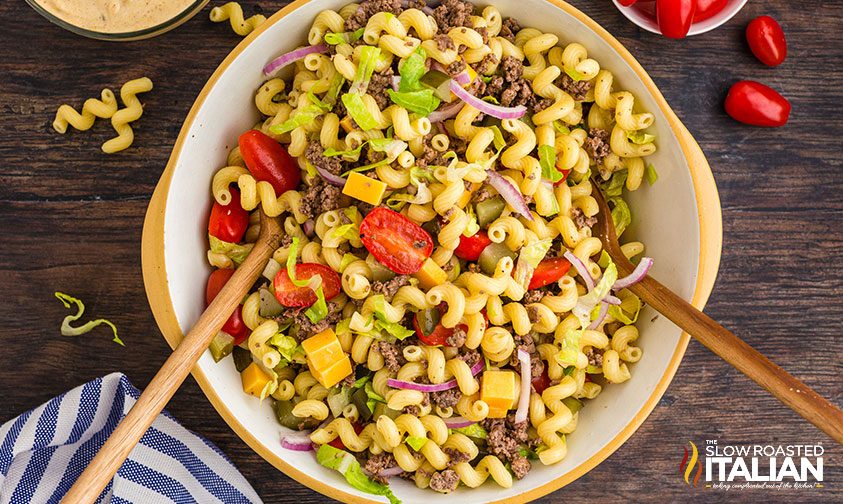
(115, 16)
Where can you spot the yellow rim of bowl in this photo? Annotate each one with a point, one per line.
(711, 239)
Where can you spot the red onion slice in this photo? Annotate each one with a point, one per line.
(458, 422)
(445, 112)
(581, 268)
(296, 443)
(392, 471)
(295, 55)
(612, 300)
(637, 274)
(330, 177)
(526, 378)
(509, 193)
(463, 78)
(486, 107)
(309, 227)
(604, 309)
(428, 387)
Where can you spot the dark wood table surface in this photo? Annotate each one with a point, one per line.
(71, 218)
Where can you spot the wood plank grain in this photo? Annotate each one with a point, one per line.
(72, 218)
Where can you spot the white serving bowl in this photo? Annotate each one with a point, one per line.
(678, 219)
(728, 12)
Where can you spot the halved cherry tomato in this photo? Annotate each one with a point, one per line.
(675, 16)
(268, 161)
(288, 294)
(541, 381)
(766, 40)
(397, 242)
(229, 222)
(754, 103)
(234, 325)
(549, 271)
(430, 330)
(707, 9)
(627, 3)
(337, 442)
(470, 247)
(565, 174)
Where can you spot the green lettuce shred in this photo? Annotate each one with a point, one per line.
(336, 38)
(614, 188)
(421, 102)
(349, 467)
(234, 251)
(319, 309)
(561, 128)
(416, 442)
(497, 140)
(574, 74)
(357, 110)
(621, 215)
(651, 174)
(67, 330)
(547, 160)
(411, 71)
(287, 346)
(474, 430)
(639, 137)
(587, 303)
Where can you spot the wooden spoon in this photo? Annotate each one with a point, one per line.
(174, 371)
(787, 389)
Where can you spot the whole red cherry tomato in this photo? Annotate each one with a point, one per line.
(288, 294)
(754, 103)
(675, 16)
(707, 9)
(229, 222)
(397, 242)
(470, 247)
(268, 161)
(541, 381)
(549, 271)
(234, 325)
(766, 40)
(430, 330)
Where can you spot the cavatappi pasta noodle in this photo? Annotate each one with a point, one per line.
(438, 308)
(233, 13)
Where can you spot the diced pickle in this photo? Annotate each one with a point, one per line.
(269, 307)
(490, 256)
(221, 345)
(242, 358)
(573, 404)
(489, 210)
(284, 413)
(380, 273)
(359, 399)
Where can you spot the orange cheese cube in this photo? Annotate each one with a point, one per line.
(254, 379)
(364, 188)
(499, 392)
(430, 275)
(325, 358)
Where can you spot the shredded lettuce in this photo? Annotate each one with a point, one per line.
(343, 326)
(422, 196)
(547, 160)
(411, 71)
(416, 442)
(497, 138)
(310, 169)
(528, 260)
(568, 371)
(319, 309)
(587, 303)
(381, 323)
(336, 38)
(639, 137)
(287, 346)
(360, 382)
(234, 251)
(619, 314)
(574, 74)
(332, 152)
(349, 467)
(365, 69)
(334, 91)
(368, 167)
(614, 187)
(561, 128)
(373, 396)
(604, 259)
(474, 430)
(389, 146)
(305, 115)
(357, 110)
(472, 227)
(528, 453)
(621, 215)
(570, 352)
(651, 174)
(421, 102)
(347, 231)
(346, 260)
(67, 330)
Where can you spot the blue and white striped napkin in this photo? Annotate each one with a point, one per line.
(44, 450)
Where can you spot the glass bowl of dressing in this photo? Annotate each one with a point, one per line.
(118, 20)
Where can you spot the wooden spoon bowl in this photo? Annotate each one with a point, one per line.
(792, 392)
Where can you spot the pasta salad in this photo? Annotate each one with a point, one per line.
(438, 309)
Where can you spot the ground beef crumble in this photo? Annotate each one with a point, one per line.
(594, 358)
(505, 436)
(577, 89)
(306, 328)
(597, 144)
(377, 464)
(457, 338)
(378, 87)
(390, 287)
(471, 357)
(369, 8)
(581, 220)
(444, 42)
(393, 355)
(453, 13)
(446, 398)
(444, 481)
(314, 154)
(455, 456)
(527, 344)
(320, 197)
(509, 28)
(520, 466)
(533, 296)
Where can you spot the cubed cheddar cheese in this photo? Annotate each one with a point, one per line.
(254, 379)
(498, 390)
(430, 274)
(364, 188)
(326, 359)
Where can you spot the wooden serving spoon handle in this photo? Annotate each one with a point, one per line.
(174, 371)
(792, 392)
